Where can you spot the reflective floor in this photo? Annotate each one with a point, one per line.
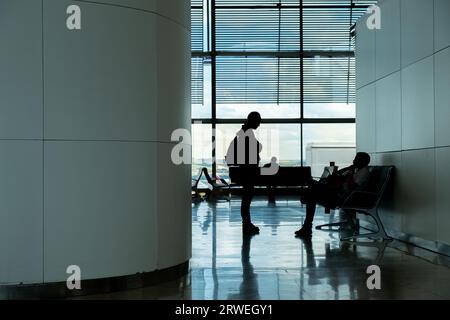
(275, 265)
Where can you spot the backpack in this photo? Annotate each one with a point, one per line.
(231, 156)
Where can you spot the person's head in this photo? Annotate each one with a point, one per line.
(362, 160)
(253, 120)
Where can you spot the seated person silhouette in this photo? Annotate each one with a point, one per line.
(333, 190)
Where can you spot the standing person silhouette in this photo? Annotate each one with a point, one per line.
(244, 153)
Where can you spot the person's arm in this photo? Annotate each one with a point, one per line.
(345, 171)
(344, 178)
(360, 178)
(356, 180)
(351, 183)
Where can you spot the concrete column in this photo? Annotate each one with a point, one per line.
(85, 122)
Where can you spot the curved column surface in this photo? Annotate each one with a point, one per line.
(85, 123)
(174, 10)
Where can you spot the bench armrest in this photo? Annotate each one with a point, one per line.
(224, 181)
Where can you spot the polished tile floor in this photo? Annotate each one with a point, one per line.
(275, 265)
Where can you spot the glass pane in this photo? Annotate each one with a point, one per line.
(201, 150)
(326, 2)
(269, 29)
(255, 2)
(324, 143)
(329, 80)
(258, 80)
(196, 2)
(197, 23)
(329, 110)
(201, 88)
(278, 140)
(267, 111)
(281, 141)
(338, 2)
(328, 28)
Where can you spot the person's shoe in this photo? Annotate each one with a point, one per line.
(304, 233)
(250, 228)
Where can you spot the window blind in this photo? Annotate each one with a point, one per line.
(265, 80)
(259, 55)
(197, 80)
(197, 29)
(328, 29)
(244, 3)
(258, 29)
(258, 80)
(327, 80)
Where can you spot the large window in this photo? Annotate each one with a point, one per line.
(291, 60)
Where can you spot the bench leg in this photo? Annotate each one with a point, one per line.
(343, 223)
(381, 230)
(379, 234)
(329, 226)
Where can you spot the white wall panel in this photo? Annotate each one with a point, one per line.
(391, 207)
(417, 181)
(100, 208)
(365, 54)
(441, 24)
(174, 236)
(412, 115)
(174, 79)
(418, 105)
(148, 5)
(100, 82)
(388, 39)
(443, 194)
(365, 119)
(417, 30)
(389, 114)
(442, 92)
(87, 194)
(21, 212)
(174, 10)
(20, 69)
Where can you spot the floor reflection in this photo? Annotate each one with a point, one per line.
(275, 265)
(248, 289)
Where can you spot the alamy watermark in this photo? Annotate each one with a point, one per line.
(245, 150)
(373, 21)
(73, 21)
(374, 280)
(74, 280)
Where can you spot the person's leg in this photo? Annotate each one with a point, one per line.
(311, 203)
(315, 192)
(249, 178)
(271, 194)
(247, 226)
(247, 195)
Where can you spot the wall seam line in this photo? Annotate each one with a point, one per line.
(136, 9)
(43, 147)
(403, 68)
(436, 216)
